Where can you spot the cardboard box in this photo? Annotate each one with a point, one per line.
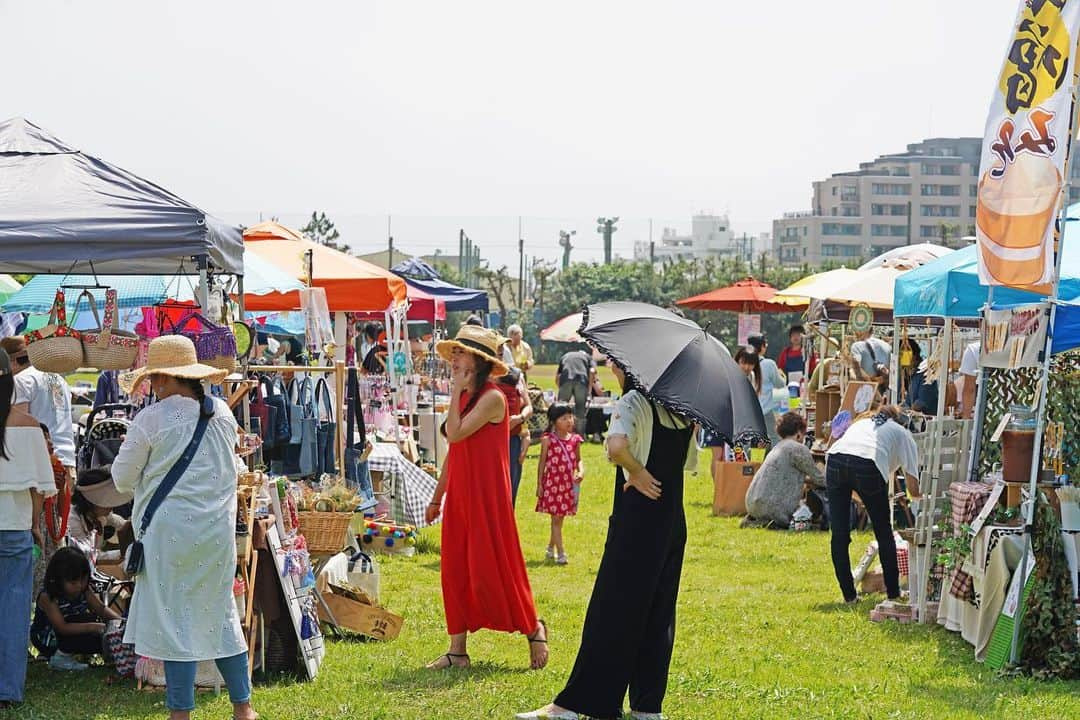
(729, 491)
(374, 622)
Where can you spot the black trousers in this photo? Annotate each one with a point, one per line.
(844, 474)
(629, 628)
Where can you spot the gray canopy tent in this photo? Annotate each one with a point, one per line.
(62, 211)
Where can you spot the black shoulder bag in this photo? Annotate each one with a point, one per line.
(135, 559)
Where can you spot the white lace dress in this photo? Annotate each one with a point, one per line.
(183, 607)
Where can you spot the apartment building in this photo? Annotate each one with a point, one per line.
(926, 194)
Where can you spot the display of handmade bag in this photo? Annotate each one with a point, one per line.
(105, 347)
(115, 651)
(300, 454)
(326, 430)
(215, 345)
(357, 472)
(57, 347)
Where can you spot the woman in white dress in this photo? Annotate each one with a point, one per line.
(26, 477)
(183, 609)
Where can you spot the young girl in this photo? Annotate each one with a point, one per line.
(92, 520)
(559, 475)
(69, 619)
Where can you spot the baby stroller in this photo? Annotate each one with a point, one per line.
(102, 435)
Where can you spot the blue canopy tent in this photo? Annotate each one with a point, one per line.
(422, 276)
(135, 291)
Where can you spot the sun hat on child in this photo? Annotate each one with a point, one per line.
(172, 355)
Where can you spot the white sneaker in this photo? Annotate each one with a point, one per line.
(63, 661)
(543, 714)
(562, 559)
(550, 554)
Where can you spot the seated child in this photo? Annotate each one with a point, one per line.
(92, 521)
(69, 619)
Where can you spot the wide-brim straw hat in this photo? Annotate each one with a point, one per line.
(104, 493)
(172, 355)
(479, 341)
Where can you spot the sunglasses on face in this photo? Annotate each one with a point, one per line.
(23, 359)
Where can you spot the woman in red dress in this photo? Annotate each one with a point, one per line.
(484, 581)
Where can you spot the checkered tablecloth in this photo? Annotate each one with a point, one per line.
(967, 500)
(410, 489)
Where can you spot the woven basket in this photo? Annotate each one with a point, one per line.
(56, 347)
(325, 532)
(106, 348)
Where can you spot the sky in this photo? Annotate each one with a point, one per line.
(470, 114)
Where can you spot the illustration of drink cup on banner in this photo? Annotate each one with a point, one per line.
(1022, 167)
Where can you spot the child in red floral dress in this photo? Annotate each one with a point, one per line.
(558, 484)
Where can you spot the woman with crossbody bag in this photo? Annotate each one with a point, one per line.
(179, 461)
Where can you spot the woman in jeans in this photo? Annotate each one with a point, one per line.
(869, 452)
(183, 609)
(26, 478)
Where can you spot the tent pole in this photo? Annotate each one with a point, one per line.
(894, 364)
(979, 416)
(943, 372)
(246, 402)
(204, 287)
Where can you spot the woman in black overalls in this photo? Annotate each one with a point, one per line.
(629, 628)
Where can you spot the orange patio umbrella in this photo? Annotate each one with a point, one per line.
(351, 284)
(745, 296)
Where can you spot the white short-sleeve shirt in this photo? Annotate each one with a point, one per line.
(633, 419)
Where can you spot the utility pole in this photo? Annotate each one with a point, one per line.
(461, 254)
(390, 238)
(564, 242)
(606, 227)
(521, 267)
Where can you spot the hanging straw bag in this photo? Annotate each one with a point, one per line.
(106, 348)
(56, 347)
(215, 345)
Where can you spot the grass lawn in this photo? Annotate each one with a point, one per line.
(760, 635)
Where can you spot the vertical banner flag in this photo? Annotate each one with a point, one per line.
(1022, 169)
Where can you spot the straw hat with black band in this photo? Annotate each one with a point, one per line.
(479, 341)
(172, 355)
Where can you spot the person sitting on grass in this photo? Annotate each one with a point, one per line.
(69, 619)
(777, 487)
(559, 475)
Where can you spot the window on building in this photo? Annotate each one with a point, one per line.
(850, 211)
(929, 231)
(805, 230)
(888, 230)
(834, 190)
(933, 190)
(849, 193)
(841, 229)
(891, 188)
(940, 169)
(973, 190)
(970, 231)
(832, 211)
(972, 210)
(804, 251)
(841, 250)
(888, 209)
(940, 211)
(899, 171)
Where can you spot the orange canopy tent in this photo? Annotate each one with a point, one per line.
(746, 296)
(351, 284)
